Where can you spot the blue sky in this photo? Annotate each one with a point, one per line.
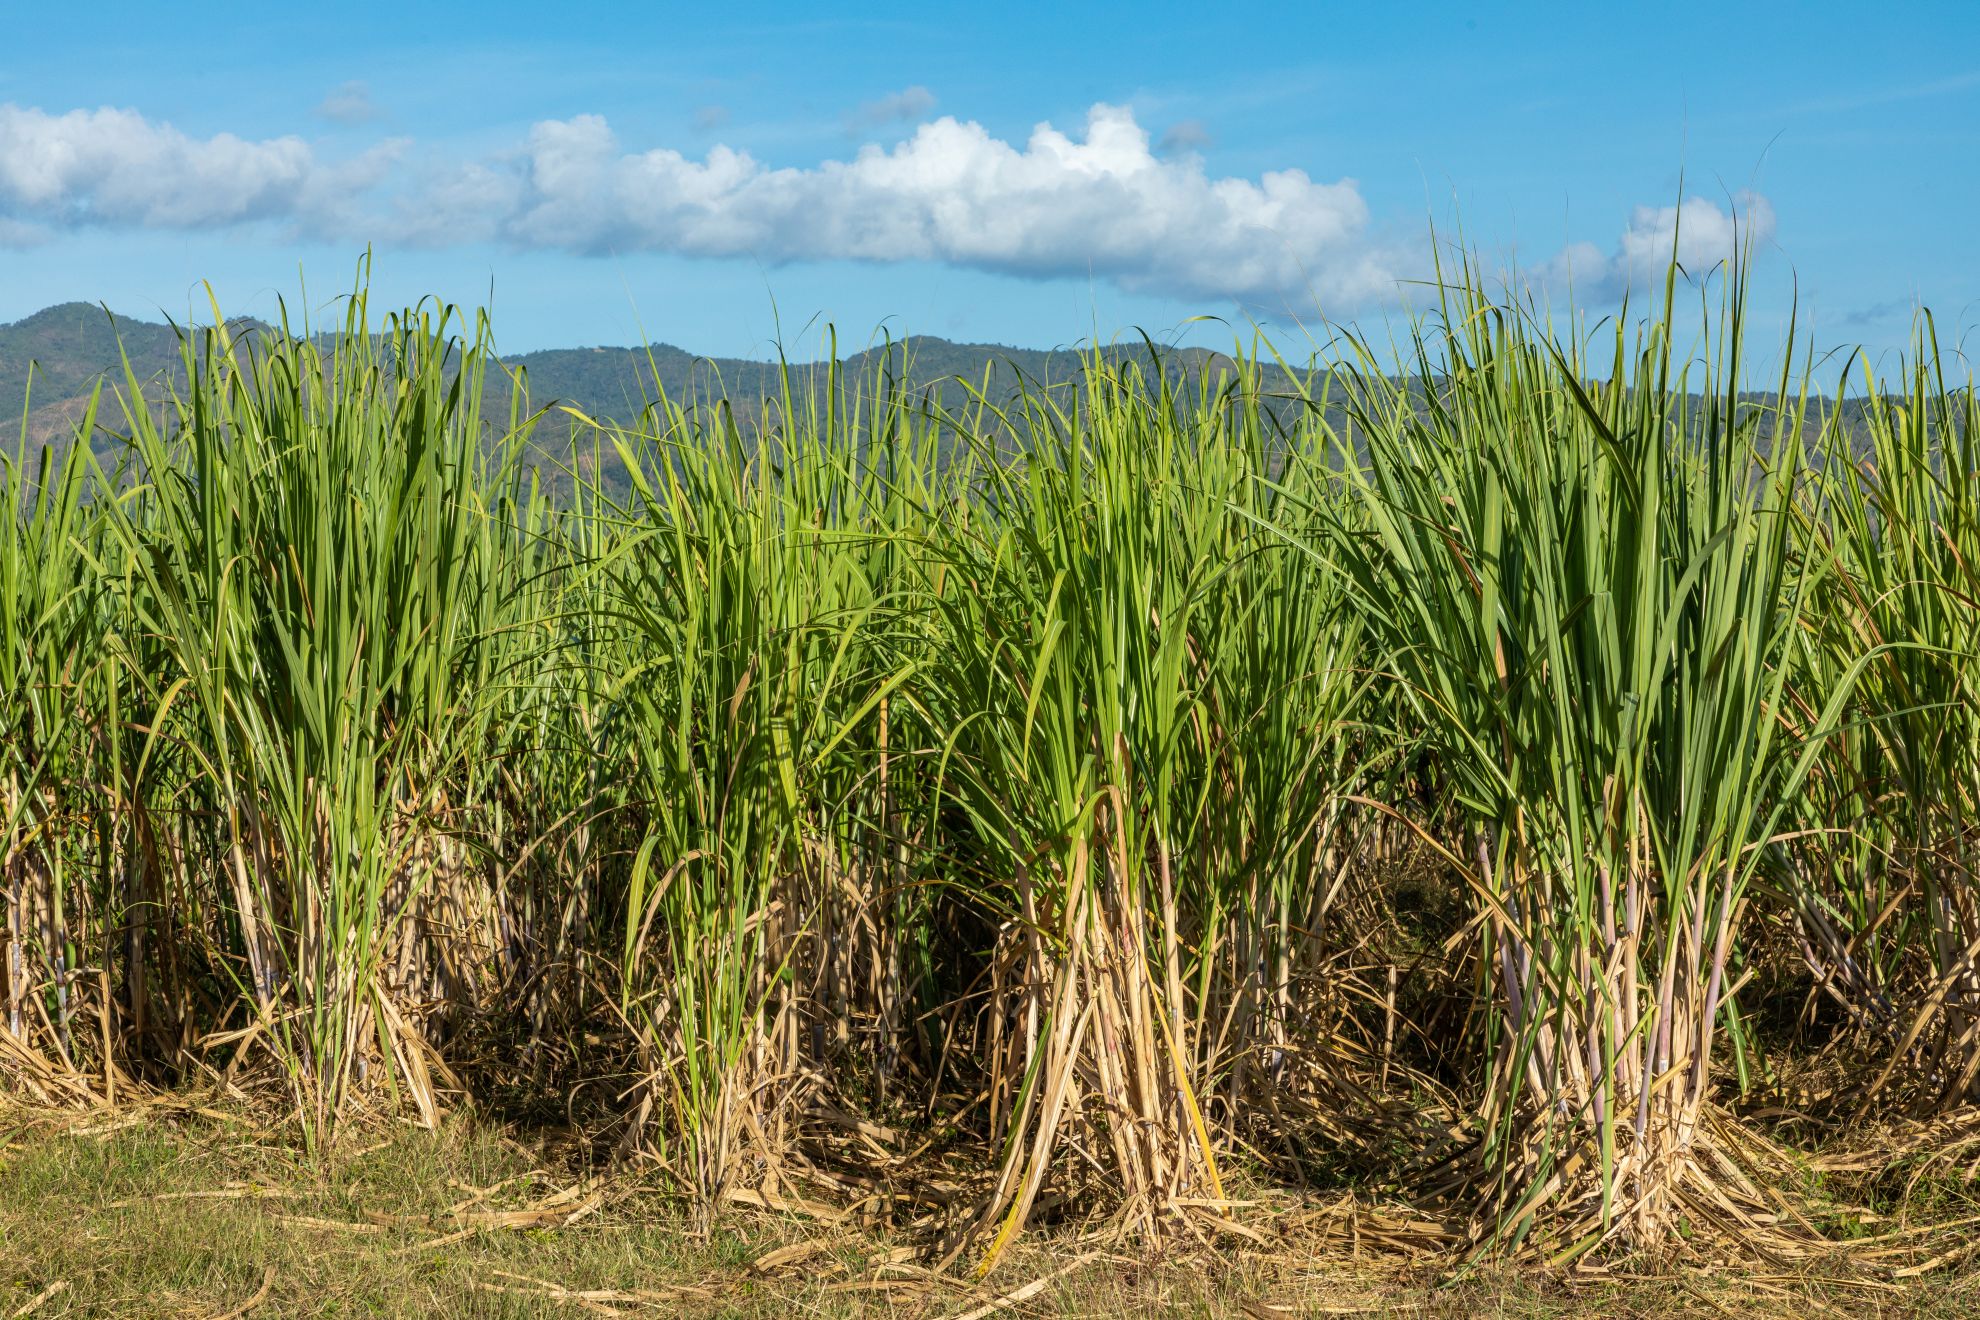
(618, 170)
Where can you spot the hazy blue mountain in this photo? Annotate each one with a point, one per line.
(73, 346)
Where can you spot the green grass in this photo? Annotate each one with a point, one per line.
(131, 1242)
(146, 1215)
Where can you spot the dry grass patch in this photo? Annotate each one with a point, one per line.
(170, 1212)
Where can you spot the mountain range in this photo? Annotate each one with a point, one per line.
(51, 361)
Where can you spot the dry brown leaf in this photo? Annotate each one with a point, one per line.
(260, 1296)
(1026, 1292)
(35, 1303)
(771, 1261)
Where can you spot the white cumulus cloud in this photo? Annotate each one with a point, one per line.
(1057, 205)
(116, 169)
(1101, 201)
(1699, 233)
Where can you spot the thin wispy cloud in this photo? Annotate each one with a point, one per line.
(14, 234)
(708, 118)
(1878, 313)
(903, 107)
(1895, 94)
(1185, 135)
(348, 103)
